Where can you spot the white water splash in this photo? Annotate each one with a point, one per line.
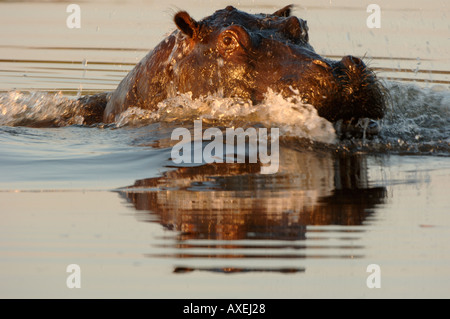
(417, 120)
(23, 109)
(291, 117)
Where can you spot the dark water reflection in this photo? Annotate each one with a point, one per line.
(226, 212)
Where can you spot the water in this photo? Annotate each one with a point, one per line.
(109, 199)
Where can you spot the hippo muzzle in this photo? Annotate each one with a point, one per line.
(340, 90)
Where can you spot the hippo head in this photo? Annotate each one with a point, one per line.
(240, 54)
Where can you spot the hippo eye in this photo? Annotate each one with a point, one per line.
(230, 41)
(234, 39)
(227, 40)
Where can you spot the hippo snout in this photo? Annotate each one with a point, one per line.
(346, 89)
(350, 62)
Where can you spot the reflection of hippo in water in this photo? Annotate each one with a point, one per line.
(232, 201)
(236, 54)
(243, 215)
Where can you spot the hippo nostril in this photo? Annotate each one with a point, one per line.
(350, 61)
(357, 61)
(322, 63)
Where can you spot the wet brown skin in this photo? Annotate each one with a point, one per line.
(236, 54)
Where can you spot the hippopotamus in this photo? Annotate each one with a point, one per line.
(236, 54)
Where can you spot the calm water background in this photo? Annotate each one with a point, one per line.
(110, 200)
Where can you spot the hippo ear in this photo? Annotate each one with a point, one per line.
(285, 12)
(186, 24)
